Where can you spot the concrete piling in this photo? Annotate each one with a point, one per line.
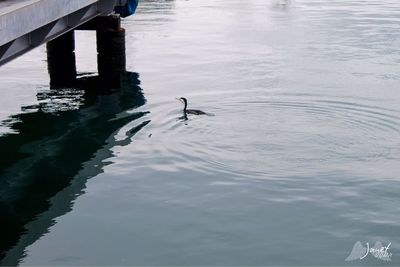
(111, 57)
(61, 60)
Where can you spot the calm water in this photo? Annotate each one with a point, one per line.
(300, 161)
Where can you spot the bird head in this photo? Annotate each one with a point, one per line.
(182, 99)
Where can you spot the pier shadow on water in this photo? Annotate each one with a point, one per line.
(57, 145)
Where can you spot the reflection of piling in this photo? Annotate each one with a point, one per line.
(61, 60)
(111, 57)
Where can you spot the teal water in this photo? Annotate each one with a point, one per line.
(300, 161)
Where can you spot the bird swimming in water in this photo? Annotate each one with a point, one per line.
(191, 111)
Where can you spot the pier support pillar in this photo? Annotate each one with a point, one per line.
(61, 60)
(111, 58)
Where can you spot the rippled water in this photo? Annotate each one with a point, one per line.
(299, 162)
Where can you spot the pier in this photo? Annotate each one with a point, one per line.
(26, 24)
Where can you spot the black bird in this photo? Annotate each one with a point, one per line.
(191, 111)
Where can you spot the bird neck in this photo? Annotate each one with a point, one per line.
(184, 109)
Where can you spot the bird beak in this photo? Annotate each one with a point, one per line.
(178, 99)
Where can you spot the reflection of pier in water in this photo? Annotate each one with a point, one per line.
(60, 144)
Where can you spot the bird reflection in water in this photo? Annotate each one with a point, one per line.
(55, 147)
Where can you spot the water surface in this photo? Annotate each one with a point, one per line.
(299, 162)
